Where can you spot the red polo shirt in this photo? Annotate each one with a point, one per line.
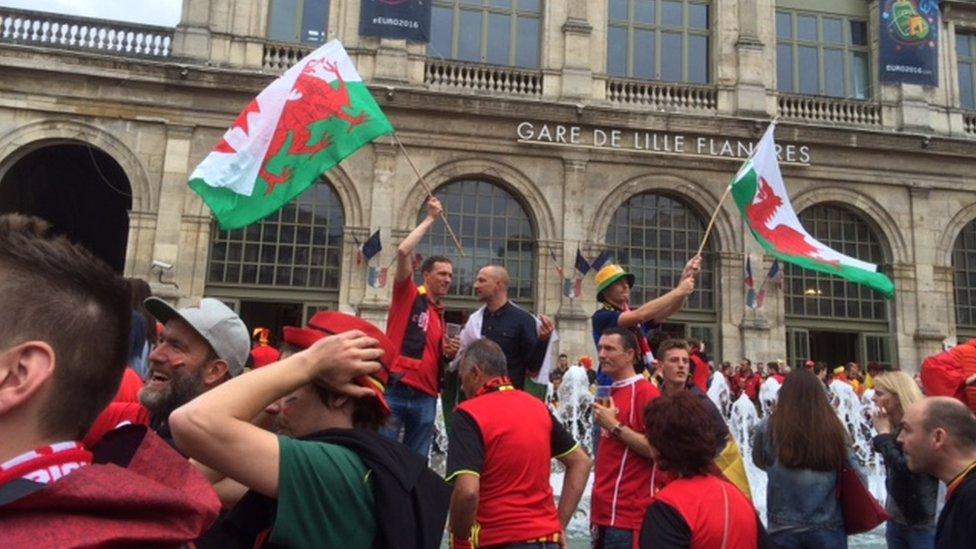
(415, 327)
(622, 486)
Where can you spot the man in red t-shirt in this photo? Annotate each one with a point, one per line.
(416, 326)
(623, 484)
(502, 442)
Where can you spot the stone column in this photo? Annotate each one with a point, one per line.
(166, 246)
(575, 338)
(191, 40)
(930, 305)
(375, 302)
(751, 61)
(577, 77)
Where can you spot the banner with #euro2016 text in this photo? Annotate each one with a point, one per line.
(408, 19)
(909, 33)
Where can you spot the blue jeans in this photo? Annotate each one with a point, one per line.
(607, 537)
(900, 536)
(816, 538)
(413, 413)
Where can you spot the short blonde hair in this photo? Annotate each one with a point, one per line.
(901, 385)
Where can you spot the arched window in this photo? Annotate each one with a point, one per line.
(499, 32)
(814, 294)
(292, 259)
(823, 53)
(653, 236)
(302, 21)
(827, 318)
(964, 281)
(659, 40)
(493, 228)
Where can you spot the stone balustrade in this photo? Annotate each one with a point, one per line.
(969, 123)
(84, 33)
(280, 56)
(459, 76)
(662, 95)
(829, 110)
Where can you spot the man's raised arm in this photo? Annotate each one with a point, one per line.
(404, 267)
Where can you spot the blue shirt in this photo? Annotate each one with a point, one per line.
(608, 317)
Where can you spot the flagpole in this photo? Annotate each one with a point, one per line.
(429, 193)
(711, 222)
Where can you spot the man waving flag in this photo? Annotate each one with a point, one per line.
(760, 194)
(296, 129)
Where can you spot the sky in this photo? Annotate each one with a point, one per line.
(151, 12)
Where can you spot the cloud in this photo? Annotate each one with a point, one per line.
(151, 12)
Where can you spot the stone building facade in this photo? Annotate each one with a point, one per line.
(547, 127)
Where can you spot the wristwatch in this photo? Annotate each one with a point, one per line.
(617, 429)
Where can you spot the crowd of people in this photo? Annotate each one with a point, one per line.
(127, 421)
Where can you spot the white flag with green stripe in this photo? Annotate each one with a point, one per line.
(760, 194)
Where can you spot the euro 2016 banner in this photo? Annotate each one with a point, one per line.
(909, 32)
(408, 19)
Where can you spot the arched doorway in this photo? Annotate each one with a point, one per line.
(79, 189)
(653, 236)
(827, 318)
(494, 228)
(285, 268)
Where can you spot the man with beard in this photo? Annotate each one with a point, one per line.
(200, 347)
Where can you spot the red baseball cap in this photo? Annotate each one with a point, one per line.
(328, 323)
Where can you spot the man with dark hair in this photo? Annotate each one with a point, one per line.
(327, 479)
(416, 327)
(700, 370)
(938, 436)
(502, 442)
(622, 485)
(674, 357)
(64, 340)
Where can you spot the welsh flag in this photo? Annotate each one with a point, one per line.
(299, 127)
(759, 193)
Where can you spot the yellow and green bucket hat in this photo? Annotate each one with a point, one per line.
(609, 275)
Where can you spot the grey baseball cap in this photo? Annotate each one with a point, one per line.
(216, 323)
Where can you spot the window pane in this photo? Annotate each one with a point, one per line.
(806, 27)
(441, 27)
(501, 3)
(528, 5)
(469, 44)
(833, 31)
(671, 14)
(697, 59)
(698, 16)
(617, 51)
(472, 2)
(784, 25)
(528, 43)
(671, 56)
(834, 73)
(618, 10)
(809, 70)
(281, 24)
(499, 32)
(966, 92)
(784, 68)
(315, 21)
(644, 11)
(859, 33)
(962, 45)
(643, 54)
(860, 76)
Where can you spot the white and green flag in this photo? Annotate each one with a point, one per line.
(295, 130)
(760, 194)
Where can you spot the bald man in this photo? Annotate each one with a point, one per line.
(514, 329)
(939, 438)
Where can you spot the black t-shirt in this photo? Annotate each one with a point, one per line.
(468, 449)
(956, 526)
(515, 331)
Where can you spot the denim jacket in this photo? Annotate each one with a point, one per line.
(795, 498)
